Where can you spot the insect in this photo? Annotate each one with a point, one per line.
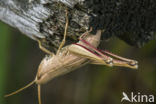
(74, 56)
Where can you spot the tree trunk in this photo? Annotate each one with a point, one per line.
(130, 20)
(44, 20)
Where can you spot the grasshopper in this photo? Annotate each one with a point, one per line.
(74, 56)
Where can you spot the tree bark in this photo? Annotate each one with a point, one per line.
(44, 19)
(24, 16)
(130, 20)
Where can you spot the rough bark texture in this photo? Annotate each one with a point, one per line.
(131, 20)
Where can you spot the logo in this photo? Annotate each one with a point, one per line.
(137, 97)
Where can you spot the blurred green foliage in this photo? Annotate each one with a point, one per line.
(20, 57)
(4, 54)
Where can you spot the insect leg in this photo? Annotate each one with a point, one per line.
(124, 64)
(118, 63)
(65, 32)
(87, 53)
(104, 54)
(130, 61)
(85, 34)
(39, 94)
(91, 47)
(43, 48)
(99, 57)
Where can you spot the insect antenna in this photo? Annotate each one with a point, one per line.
(21, 89)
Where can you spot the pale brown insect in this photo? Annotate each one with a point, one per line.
(74, 56)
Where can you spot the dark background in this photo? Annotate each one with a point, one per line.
(92, 84)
